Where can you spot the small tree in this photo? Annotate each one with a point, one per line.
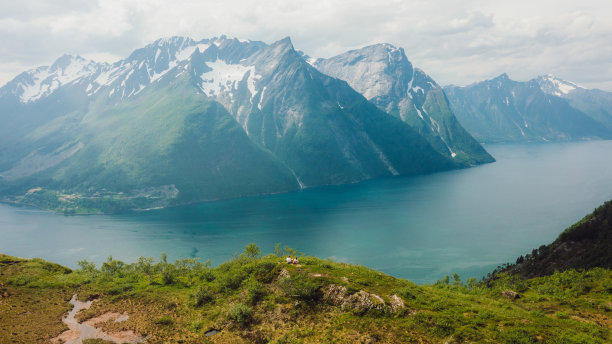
(456, 279)
(252, 251)
(145, 266)
(278, 251)
(87, 266)
(113, 267)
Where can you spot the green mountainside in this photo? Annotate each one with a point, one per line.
(585, 245)
(255, 299)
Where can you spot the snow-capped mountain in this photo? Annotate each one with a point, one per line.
(558, 87)
(205, 119)
(596, 104)
(43, 81)
(504, 110)
(383, 74)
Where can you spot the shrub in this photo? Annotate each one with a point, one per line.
(113, 267)
(300, 287)
(406, 293)
(232, 279)
(241, 314)
(21, 280)
(265, 272)
(518, 336)
(201, 297)
(165, 320)
(196, 326)
(255, 292)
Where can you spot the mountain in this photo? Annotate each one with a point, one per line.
(585, 245)
(383, 74)
(181, 121)
(503, 110)
(596, 104)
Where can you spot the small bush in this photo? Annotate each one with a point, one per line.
(265, 272)
(562, 315)
(21, 280)
(232, 279)
(255, 292)
(196, 326)
(405, 293)
(201, 297)
(241, 314)
(518, 336)
(165, 320)
(300, 287)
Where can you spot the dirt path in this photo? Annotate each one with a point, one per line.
(86, 330)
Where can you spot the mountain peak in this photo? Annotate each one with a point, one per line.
(556, 86)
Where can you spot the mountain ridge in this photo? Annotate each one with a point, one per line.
(504, 110)
(308, 126)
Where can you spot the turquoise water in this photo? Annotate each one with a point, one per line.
(420, 228)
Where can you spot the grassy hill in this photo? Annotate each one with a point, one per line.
(584, 245)
(253, 299)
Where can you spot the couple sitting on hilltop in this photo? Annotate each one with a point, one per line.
(290, 260)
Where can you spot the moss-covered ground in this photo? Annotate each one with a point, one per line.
(253, 299)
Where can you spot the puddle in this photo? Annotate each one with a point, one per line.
(211, 332)
(86, 330)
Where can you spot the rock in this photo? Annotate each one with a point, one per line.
(362, 302)
(334, 294)
(283, 274)
(510, 294)
(396, 304)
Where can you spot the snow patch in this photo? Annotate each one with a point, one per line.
(261, 97)
(225, 77)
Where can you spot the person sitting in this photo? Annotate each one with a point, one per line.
(295, 261)
(289, 260)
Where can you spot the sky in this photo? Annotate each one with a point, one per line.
(456, 42)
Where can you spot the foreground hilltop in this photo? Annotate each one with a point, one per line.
(255, 299)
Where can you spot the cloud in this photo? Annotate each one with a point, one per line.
(456, 42)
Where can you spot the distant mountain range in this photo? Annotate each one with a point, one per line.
(181, 121)
(541, 109)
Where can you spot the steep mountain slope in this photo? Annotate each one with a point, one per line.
(190, 121)
(503, 110)
(596, 104)
(383, 74)
(585, 245)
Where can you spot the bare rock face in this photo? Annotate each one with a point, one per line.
(510, 294)
(283, 274)
(396, 304)
(362, 302)
(334, 294)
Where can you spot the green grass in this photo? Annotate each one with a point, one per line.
(248, 301)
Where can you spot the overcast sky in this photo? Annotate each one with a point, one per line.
(456, 42)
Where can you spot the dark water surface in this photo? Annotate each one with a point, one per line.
(420, 228)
